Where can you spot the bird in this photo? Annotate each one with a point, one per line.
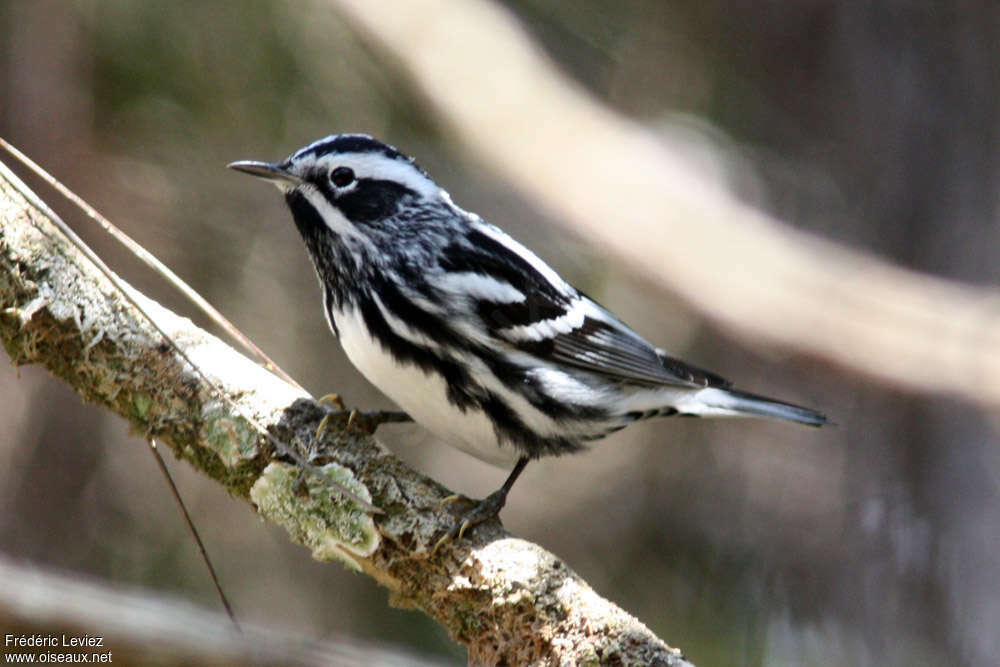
(468, 331)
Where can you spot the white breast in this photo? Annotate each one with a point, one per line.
(423, 396)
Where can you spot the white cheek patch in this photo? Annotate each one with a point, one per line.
(334, 219)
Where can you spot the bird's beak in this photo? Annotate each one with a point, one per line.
(271, 171)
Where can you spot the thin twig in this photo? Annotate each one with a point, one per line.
(194, 532)
(152, 262)
(123, 289)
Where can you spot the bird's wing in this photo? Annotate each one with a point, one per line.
(588, 337)
(523, 302)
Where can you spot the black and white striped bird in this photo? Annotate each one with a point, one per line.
(468, 331)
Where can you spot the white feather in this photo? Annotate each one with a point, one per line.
(534, 260)
(423, 396)
(478, 286)
(542, 329)
(404, 330)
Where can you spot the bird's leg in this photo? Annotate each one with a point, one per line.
(366, 421)
(483, 510)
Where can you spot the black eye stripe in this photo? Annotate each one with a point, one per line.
(342, 176)
(371, 200)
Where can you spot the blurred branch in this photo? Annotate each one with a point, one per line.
(138, 628)
(508, 600)
(622, 188)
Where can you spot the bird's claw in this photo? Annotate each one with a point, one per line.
(368, 421)
(455, 498)
(333, 399)
(363, 420)
(482, 511)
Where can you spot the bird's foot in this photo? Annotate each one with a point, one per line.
(336, 400)
(480, 512)
(366, 421)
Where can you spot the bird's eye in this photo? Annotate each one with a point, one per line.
(342, 176)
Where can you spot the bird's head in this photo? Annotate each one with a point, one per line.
(350, 181)
(363, 207)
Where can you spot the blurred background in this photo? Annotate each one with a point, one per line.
(873, 124)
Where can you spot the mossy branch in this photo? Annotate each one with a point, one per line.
(508, 600)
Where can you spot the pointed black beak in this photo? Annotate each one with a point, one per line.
(271, 171)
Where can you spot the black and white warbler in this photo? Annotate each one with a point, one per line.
(468, 331)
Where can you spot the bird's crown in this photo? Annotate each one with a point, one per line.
(343, 161)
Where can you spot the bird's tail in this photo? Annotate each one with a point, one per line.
(715, 401)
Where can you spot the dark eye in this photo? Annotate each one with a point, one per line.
(342, 176)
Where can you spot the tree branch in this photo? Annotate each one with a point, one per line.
(140, 628)
(508, 600)
(620, 186)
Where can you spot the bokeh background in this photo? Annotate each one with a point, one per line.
(873, 124)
